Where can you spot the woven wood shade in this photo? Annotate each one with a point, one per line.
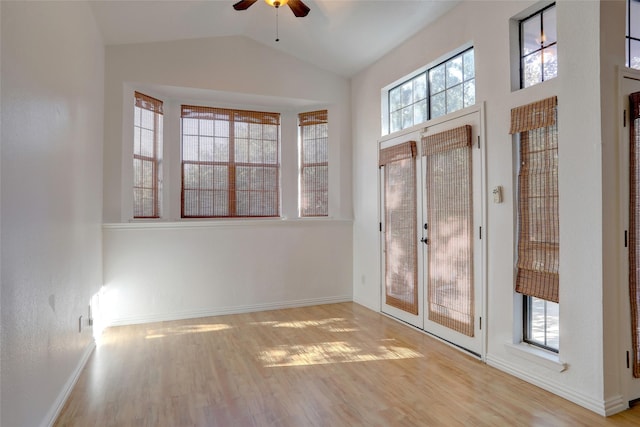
(634, 228)
(540, 114)
(147, 128)
(148, 103)
(538, 224)
(314, 163)
(230, 163)
(450, 229)
(401, 257)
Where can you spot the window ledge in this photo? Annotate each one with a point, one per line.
(225, 223)
(537, 355)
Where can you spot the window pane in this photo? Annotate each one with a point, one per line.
(454, 71)
(255, 151)
(454, 99)
(147, 119)
(468, 60)
(222, 128)
(407, 117)
(190, 148)
(550, 62)
(438, 106)
(221, 149)
(635, 54)
(470, 92)
(206, 149)
(396, 121)
(395, 100)
(189, 126)
(206, 177)
(206, 127)
(146, 142)
(137, 112)
(136, 140)
(420, 112)
(241, 150)
(191, 176)
(550, 35)
(407, 93)
(420, 87)
(634, 14)
(530, 35)
(436, 79)
(532, 69)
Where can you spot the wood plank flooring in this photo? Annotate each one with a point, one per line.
(329, 365)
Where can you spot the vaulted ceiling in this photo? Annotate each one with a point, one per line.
(342, 36)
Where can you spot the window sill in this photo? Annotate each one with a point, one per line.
(222, 223)
(538, 356)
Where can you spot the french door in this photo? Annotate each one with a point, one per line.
(431, 218)
(630, 86)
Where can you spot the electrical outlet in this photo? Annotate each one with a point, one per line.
(80, 324)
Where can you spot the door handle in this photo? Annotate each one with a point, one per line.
(425, 240)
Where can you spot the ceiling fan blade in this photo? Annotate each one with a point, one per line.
(243, 4)
(298, 8)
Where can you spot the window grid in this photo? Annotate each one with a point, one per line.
(538, 56)
(230, 163)
(314, 164)
(541, 326)
(632, 45)
(452, 85)
(146, 156)
(444, 88)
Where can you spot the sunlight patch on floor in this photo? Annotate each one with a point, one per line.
(187, 329)
(334, 352)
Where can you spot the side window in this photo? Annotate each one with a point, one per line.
(147, 153)
(230, 163)
(538, 47)
(537, 275)
(314, 164)
(632, 45)
(444, 88)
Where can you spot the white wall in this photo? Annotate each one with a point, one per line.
(581, 183)
(174, 271)
(173, 268)
(52, 115)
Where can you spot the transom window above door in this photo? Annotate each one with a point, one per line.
(446, 87)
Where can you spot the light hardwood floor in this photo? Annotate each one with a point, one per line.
(330, 365)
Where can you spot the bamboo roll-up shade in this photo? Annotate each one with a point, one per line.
(536, 115)
(313, 118)
(148, 103)
(401, 258)
(397, 152)
(447, 140)
(314, 163)
(147, 140)
(450, 282)
(230, 163)
(245, 116)
(634, 228)
(538, 220)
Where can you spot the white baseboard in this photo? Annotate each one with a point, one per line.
(602, 407)
(194, 314)
(57, 406)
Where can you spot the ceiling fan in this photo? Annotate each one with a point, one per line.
(298, 8)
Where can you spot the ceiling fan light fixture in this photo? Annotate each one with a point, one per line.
(276, 3)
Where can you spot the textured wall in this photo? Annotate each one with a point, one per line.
(52, 115)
